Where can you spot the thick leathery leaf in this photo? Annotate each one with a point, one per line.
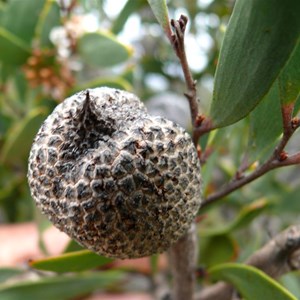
(250, 282)
(59, 287)
(289, 79)
(13, 49)
(7, 273)
(246, 216)
(217, 249)
(259, 40)
(129, 8)
(265, 124)
(49, 18)
(19, 139)
(102, 49)
(17, 29)
(160, 10)
(71, 262)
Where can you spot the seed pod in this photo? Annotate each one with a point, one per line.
(120, 182)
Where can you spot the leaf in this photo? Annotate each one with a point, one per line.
(208, 170)
(72, 246)
(250, 282)
(13, 49)
(160, 10)
(59, 287)
(49, 18)
(288, 202)
(102, 49)
(259, 40)
(17, 29)
(291, 282)
(246, 215)
(71, 262)
(297, 106)
(217, 249)
(129, 8)
(20, 137)
(265, 124)
(21, 17)
(7, 273)
(289, 79)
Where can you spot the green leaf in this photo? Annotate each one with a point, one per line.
(49, 18)
(21, 17)
(71, 262)
(259, 40)
(250, 282)
(13, 49)
(72, 247)
(7, 273)
(217, 249)
(17, 29)
(160, 10)
(246, 215)
(129, 8)
(102, 49)
(289, 79)
(289, 202)
(265, 124)
(20, 137)
(59, 287)
(297, 106)
(291, 282)
(208, 170)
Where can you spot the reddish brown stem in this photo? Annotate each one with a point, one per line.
(179, 27)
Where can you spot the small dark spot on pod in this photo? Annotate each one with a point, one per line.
(57, 188)
(127, 184)
(97, 186)
(163, 162)
(109, 185)
(139, 179)
(170, 147)
(127, 163)
(118, 171)
(102, 172)
(52, 156)
(89, 171)
(83, 191)
(89, 205)
(40, 157)
(130, 146)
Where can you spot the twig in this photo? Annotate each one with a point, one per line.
(278, 159)
(179, 27)
(279, 256)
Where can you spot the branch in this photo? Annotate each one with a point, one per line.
(183, 252)
(278, 159)
(182, 257)
(279, 256)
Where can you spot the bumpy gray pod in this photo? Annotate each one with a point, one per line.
(120, 182)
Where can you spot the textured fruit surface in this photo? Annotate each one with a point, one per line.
(120, 182)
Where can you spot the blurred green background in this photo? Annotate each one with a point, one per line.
(51, 49)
